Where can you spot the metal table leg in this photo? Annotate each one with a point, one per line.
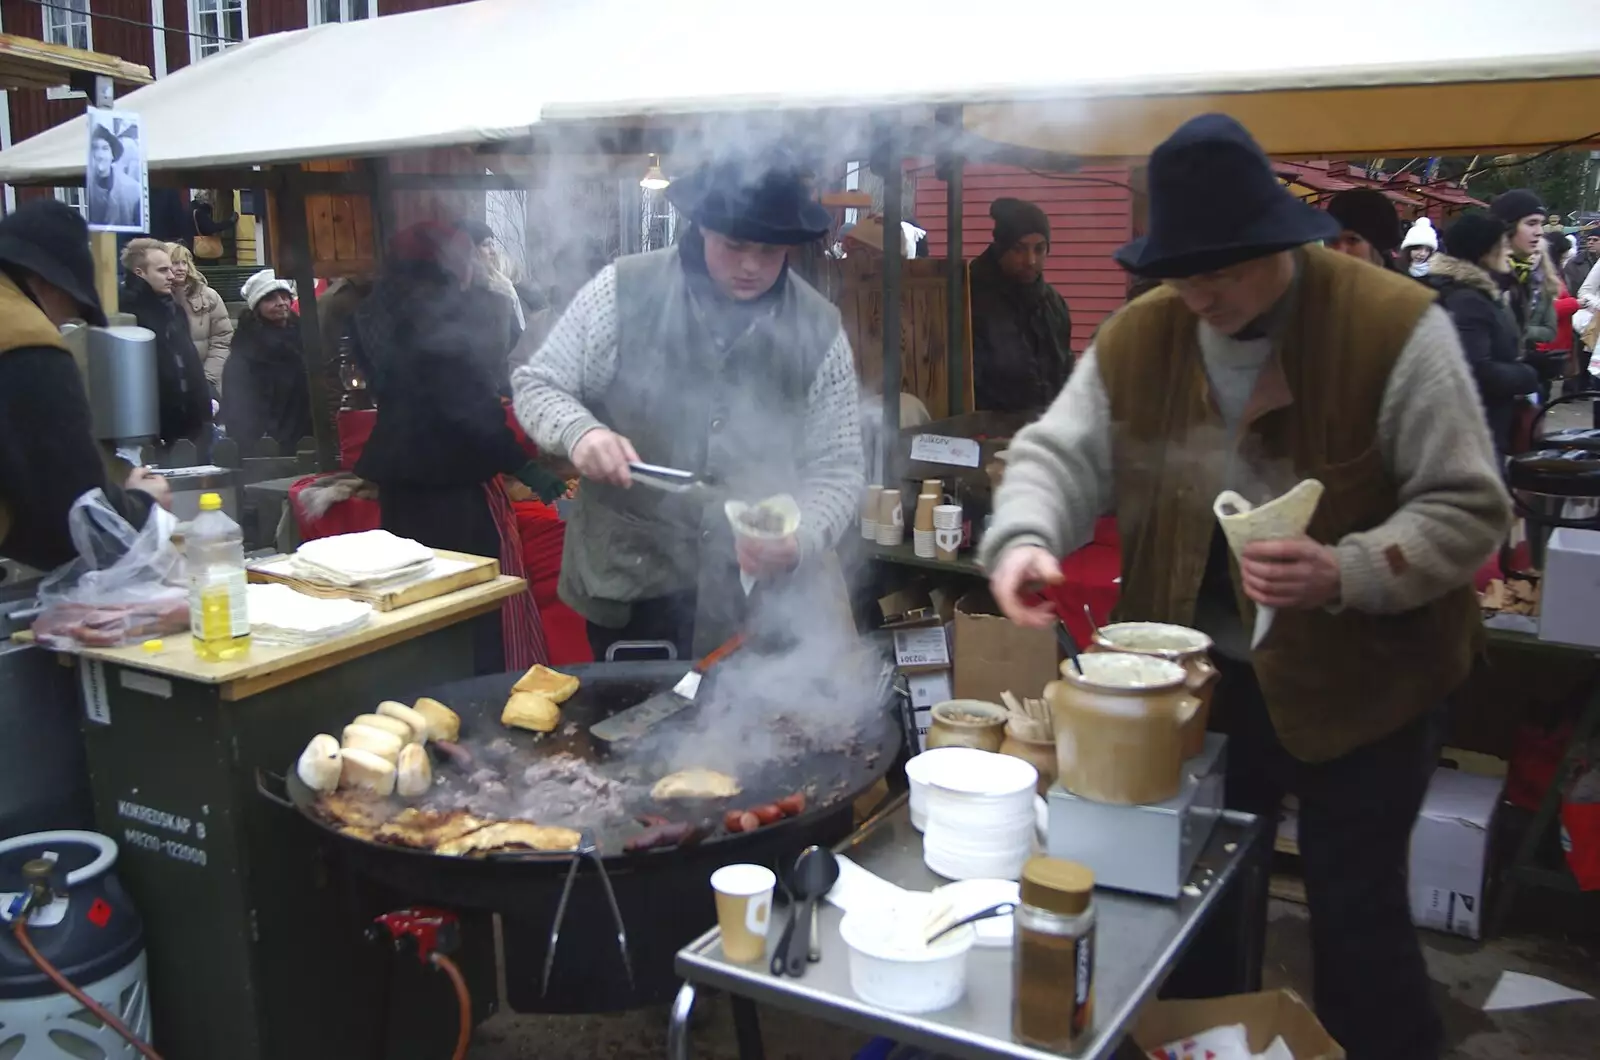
(747, 1029)
(678, 1024)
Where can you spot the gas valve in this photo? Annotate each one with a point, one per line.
(419, 930)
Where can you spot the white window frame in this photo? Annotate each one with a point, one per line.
(73, 197)
(314, 12)
(202, 33)
(58, 23)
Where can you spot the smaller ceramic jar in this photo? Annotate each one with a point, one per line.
(967, 723)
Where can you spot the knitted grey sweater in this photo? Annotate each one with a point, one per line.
(1453, 511)
(578, 360)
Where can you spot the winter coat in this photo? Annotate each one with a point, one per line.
(211, 329)
(1490, 338)
(180, 378)
(265, 392)
(1021, 340)
(435, 362)
(1532, 292)
(1577, 269)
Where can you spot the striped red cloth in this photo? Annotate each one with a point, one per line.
(519, 616)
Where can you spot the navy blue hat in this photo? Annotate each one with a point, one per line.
(1214, 202)
(763, 200)
(50, 240)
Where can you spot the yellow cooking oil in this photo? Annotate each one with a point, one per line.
(219, 602)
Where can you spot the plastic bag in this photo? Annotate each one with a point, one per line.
(126, 585)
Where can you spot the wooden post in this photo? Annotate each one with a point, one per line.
(103, 245)
(294, 255)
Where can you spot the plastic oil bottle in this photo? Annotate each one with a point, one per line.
(219, 606)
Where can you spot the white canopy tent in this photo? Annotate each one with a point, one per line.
(1094, 80)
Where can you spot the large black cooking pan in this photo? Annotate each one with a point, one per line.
(663, 895)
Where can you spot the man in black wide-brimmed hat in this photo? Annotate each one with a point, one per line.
(1265, 359)
(712, 357)
(48, 456)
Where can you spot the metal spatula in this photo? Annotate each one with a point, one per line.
(637, 720)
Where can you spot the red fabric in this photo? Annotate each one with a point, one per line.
(355, 427)
(543, 534)
(346, 517)
(1580, 838)
(519, 615)
(1535, 757)
(1090, 578)
(1566, 305)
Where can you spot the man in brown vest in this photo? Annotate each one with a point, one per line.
(1265, 359)
(48, 456)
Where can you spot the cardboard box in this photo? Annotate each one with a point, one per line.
(922, 654)
(1450, 851)
(1569, 603)
(992, 654)
(1265, 1016)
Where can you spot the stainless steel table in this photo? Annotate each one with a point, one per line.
(1139, 942)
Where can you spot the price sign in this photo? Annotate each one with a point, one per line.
(943, 449)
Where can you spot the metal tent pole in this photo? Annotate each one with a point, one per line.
(893, 266)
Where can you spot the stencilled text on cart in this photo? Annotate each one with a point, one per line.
(169, 822)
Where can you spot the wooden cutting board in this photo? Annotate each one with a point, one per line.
(451, 571)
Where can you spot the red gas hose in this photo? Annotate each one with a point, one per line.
(19, 927)
(463, 1002)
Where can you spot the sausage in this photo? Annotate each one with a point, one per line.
(767, 813)
(455, 754)
(651, 820)
(671, 833)
(793, 805)
(730, 821)
(749, 822)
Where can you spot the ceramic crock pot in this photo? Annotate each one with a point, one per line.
(1189, 648)
(967, 723)
(1041, 754)
(1119, 727)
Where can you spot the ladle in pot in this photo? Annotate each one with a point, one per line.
(1069, 644)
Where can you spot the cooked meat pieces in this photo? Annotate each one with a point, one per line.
(762, 520)
(426, 829)
(696, 784)
(508, 836)
(563, 787)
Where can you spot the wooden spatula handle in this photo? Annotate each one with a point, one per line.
(727, 648)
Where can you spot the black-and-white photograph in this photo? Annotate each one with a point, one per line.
(116, 187)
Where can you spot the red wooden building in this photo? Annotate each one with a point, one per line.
(1091, 213)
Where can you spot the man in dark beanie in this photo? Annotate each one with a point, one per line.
(1267, 359)
(711, 356)
(48, 455)
(1021, 328)
(1369, 226)
(1532, 286)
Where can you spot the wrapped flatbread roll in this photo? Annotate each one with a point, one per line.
(319, 764)
(772, 519)
(385, 745)
(414, 773)
(1286, 517)
(399, 711)
(443, 723)
(366, 772)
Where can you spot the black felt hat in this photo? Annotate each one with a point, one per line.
(1472, 235)
(1214, 202)
(1369, 214)
(765, 199)
(103, 133)
(1512, 206)
(50, 240)
(1015, 218)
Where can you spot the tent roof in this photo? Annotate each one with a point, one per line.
(1091, 80)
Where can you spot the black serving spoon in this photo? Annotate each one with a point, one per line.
(816, 870)
(1069, 644)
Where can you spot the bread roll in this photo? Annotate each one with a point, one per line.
(530, 710)
(390, 725)
(443, 723)
(419, 722)
(365, 771)
(319, 764)
(414, 774)
(552, 684)
(385, 745)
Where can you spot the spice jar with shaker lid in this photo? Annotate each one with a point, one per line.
(1052, 956)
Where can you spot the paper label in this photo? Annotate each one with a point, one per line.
(149, 684)
(921, 647)
(943, 449)
(92, 677)
(928, 689)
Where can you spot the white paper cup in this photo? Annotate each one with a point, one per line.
(947, 517)
(744, 909)
(922, 543)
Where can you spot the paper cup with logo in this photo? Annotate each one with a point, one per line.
(922, 543)
(1286, 517)
(744, 909)
(871, 504)
(891, 519)
(946, 543)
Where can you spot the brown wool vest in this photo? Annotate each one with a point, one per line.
(1333, 682)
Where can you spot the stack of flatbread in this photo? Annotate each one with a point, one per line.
(536, 699)
(371, 559)
(279, 615)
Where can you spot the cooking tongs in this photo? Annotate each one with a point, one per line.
(671, 479)
(586, 849)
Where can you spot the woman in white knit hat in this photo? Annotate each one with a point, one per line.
(265, 392)
(1420, 244)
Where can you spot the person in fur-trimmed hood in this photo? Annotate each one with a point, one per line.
(1477, 252)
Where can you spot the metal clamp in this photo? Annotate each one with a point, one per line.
(586, 849)
(265, 778)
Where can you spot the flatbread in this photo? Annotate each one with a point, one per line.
(427, 829)
(552, 684)
(510, 835)
(531, 710)
(696, 784)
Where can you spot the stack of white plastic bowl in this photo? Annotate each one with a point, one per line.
(941, 762)
(982, 816)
